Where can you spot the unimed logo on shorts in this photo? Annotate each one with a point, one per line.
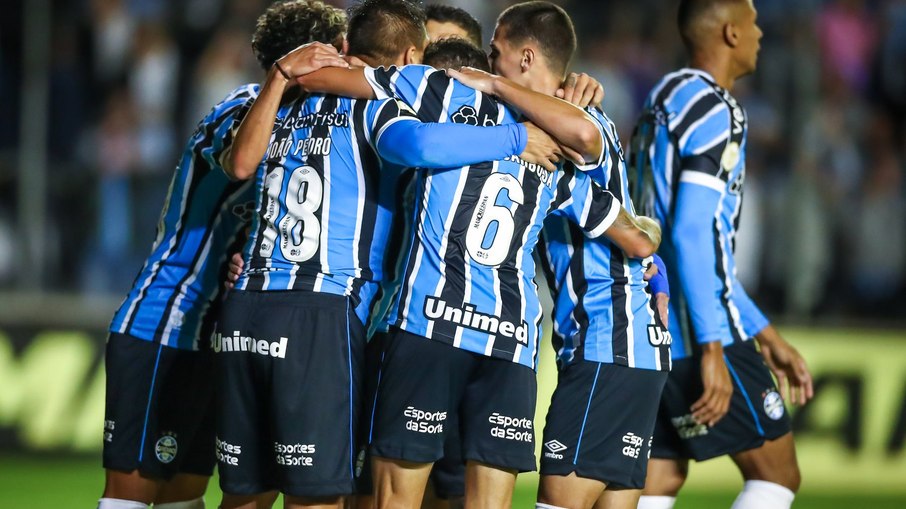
(239, 343)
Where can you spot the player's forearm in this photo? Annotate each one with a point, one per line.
(695, 267)
(753, 320)
(638, 239)
(349, 82)
(432, 145)
(254, 133)
(570, 125)
(768, 336)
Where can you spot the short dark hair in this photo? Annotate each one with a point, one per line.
(457, 16)
(545, 23)
(693, 13)
(284, 26)
(381, 29)
(454, 53)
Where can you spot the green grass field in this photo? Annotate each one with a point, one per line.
(50, 483)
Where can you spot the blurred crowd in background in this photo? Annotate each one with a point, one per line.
(824, 223)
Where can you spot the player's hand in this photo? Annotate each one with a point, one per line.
(353, 60)
(581, 90)
(651, 228)
(541, 148)
(793, 376)
(661, 299)
(474, 78)
(715, 400)
(234, 270)
(309, 58)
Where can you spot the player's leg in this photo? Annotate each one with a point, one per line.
(420, 386)
(399, 483)
(489, 486)
(496, 424)
(668, 466)
(598, 432)
(619, 498)
(770, 470)
(447, 485)
(142, 418)
(569, 491)
(665, 478)
(128, 490)
(184, 491)
(290, 502)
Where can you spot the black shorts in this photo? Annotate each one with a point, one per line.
(448, 473)
(600, 422)
(756, 409)
(289, 393)
(424, 382)
(159, 416)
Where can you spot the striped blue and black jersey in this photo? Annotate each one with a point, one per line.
(325, 190)
(468, 274)
(317, 217)
(687, 170)
(397, 246)
(175, 295)
(601, 300)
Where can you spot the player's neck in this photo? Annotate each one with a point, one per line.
(719, 69)
(544, 83)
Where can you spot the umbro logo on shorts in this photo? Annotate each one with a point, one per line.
(554, 446)
(554, 449)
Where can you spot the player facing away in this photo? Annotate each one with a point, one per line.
(447, 481)
(688, 163)
(465, 323)
(159, 427)
(291, 340)
(602, 311)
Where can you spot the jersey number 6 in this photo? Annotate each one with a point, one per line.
(487, 212)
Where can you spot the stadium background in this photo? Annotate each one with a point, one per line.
(99, 95)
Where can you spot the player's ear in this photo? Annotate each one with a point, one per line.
(345, 48)
(730, 34)
(528, 58)
(411, 56)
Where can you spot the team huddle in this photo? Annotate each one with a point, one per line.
(385, 195)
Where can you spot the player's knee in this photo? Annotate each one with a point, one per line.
(785, 474)
(665, 479)
(791, 478)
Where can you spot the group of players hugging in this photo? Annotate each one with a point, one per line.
(340, 304)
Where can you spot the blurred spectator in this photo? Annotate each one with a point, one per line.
(117, 157)
(152, 84)
(222, 67)
(878, 261)
(113, 30)
(847, 31)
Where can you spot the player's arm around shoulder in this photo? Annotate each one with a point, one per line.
(575, 129)
(254, 132)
